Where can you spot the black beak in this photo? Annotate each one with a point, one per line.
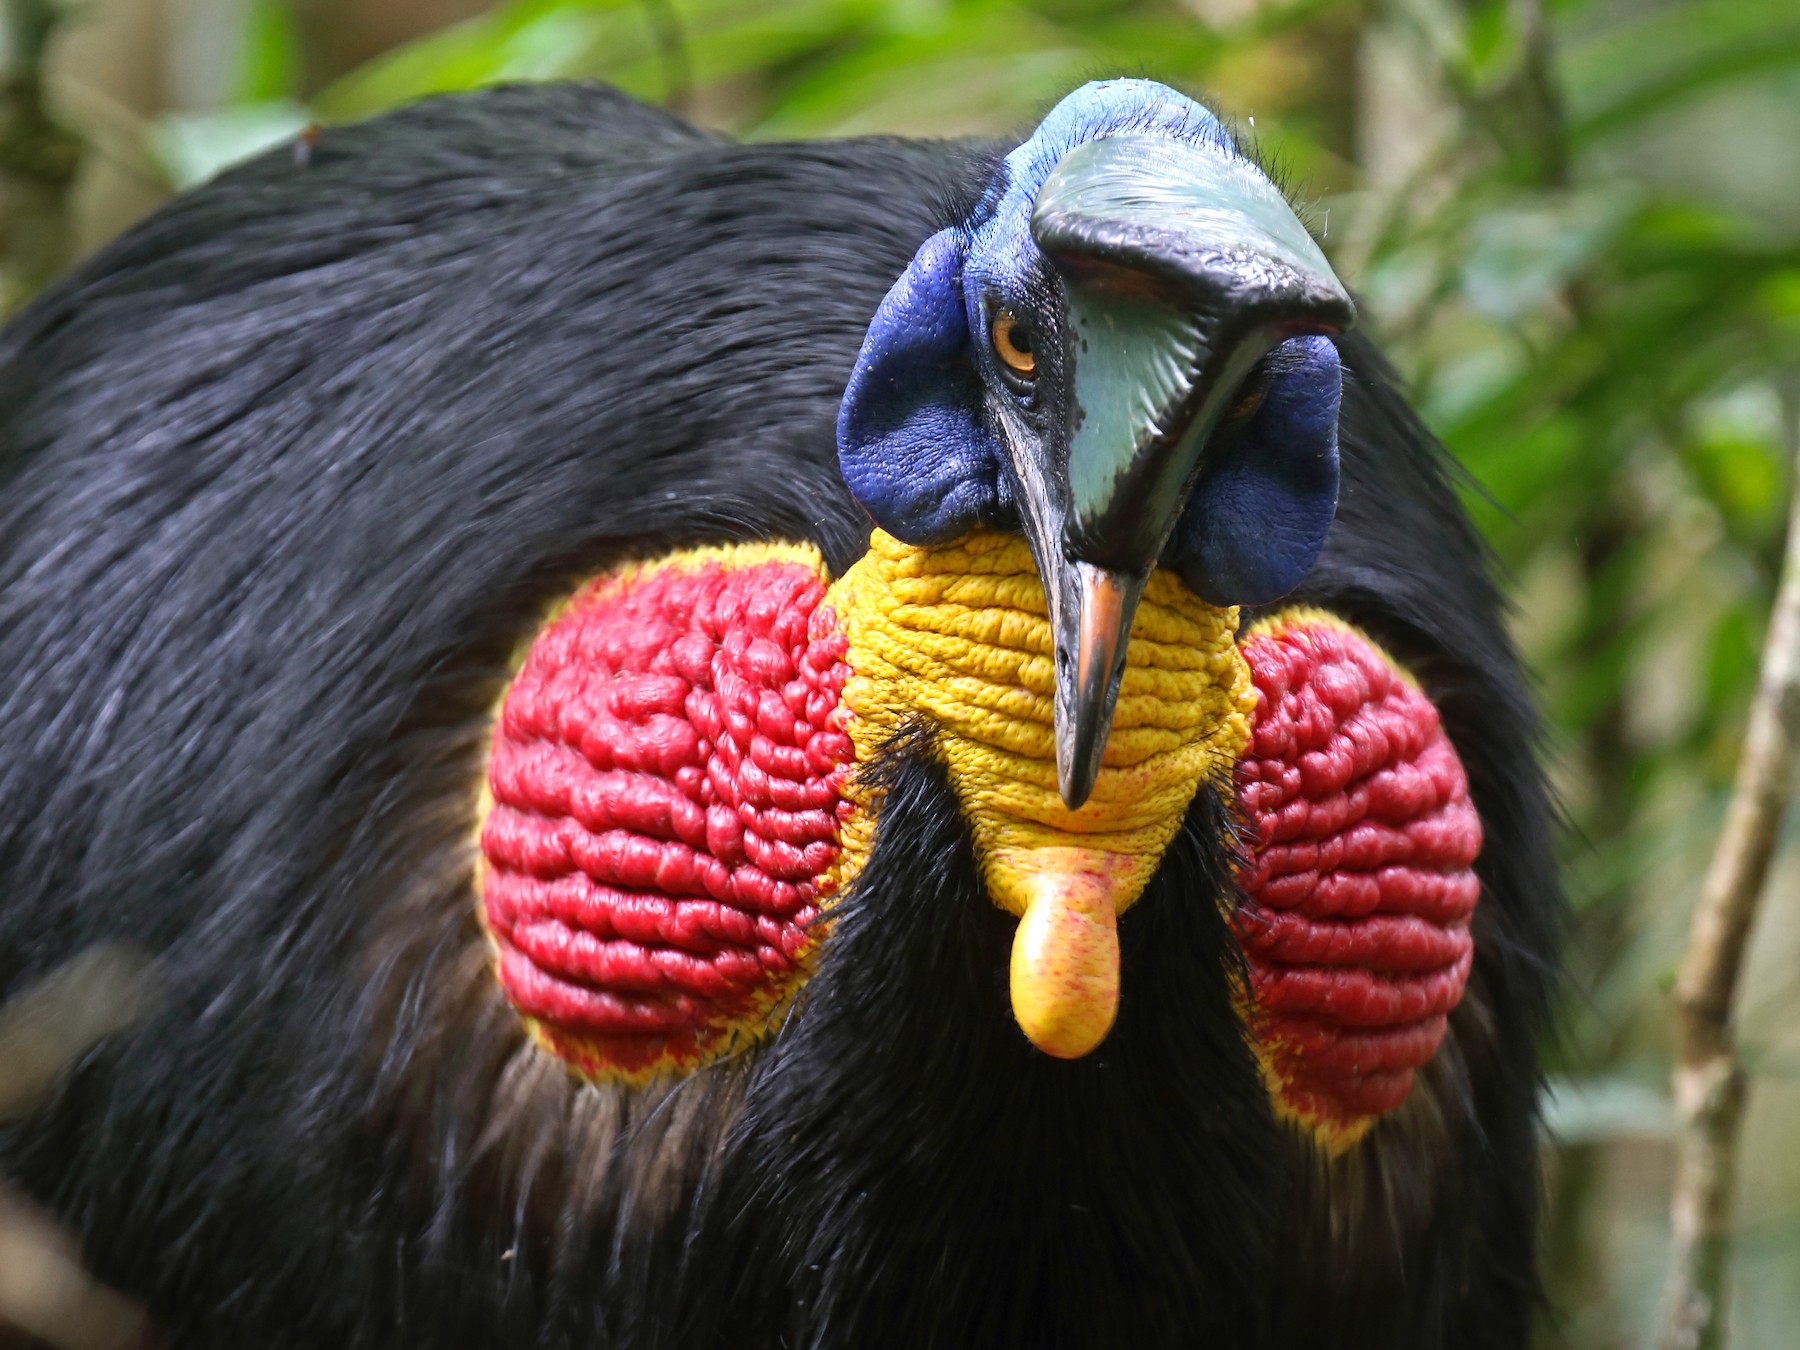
(1184, 267)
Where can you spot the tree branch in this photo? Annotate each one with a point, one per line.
(1709, 1079)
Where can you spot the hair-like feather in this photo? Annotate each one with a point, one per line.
(289, 471)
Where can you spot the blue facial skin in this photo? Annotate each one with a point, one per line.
(913, 439)
(923, 426)
(1268, 487)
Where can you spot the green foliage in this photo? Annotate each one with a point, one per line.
(1649, 67)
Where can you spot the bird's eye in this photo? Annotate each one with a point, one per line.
(1012, 344)
(1248, 399)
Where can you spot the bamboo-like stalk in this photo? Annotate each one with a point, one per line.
(1709, 1078)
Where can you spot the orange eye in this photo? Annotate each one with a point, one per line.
(1249, 399)
(1012, 344)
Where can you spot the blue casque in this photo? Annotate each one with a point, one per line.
(920, 441)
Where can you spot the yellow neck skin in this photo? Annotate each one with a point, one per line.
(958, 636)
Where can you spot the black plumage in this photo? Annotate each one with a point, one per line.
(288, 473)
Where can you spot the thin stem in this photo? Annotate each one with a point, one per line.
(1709, 1078)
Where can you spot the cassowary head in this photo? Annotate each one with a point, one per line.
(1091, 420)
(1076, 362)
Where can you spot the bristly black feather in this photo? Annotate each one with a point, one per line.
(288, 472)
(909, 1171)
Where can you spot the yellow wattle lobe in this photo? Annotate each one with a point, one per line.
(958, 636)
(1065, 957)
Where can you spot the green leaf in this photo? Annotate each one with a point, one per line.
(1585, 1110)
(523, 40)
(193, 147)
(269, 59)
(1522, 252)
(1492, 43)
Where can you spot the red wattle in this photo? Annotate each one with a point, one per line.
(665, 778)
(1360, 886)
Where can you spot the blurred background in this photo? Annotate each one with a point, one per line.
(1575, 226)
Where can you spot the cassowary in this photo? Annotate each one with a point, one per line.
(872, 743)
